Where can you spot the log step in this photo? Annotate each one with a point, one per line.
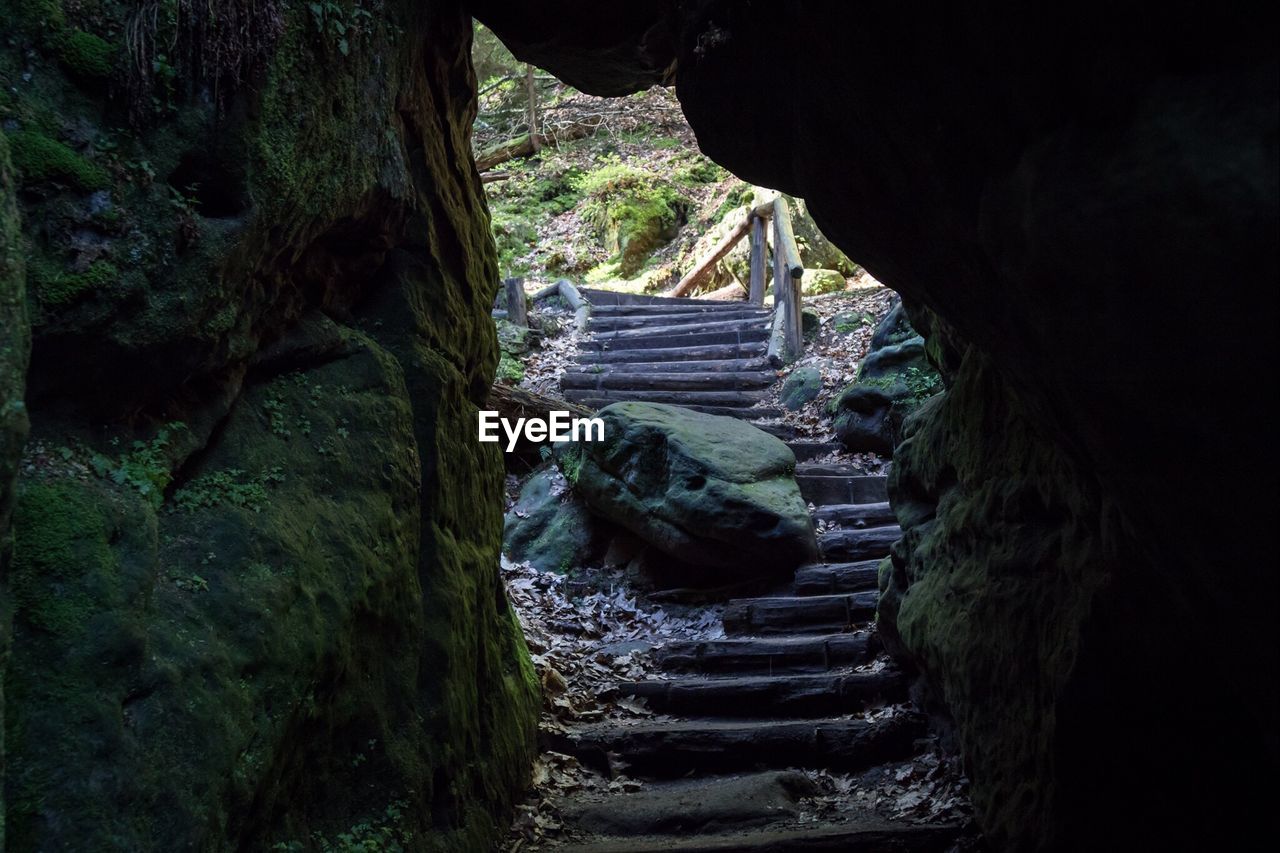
(815, 614)
(769, 695)
(823, 490)
(857, 545)
(726, 399)
(692, 327)
(769, 654)
(670, 749)
(829, 578)
(854, 837)
(685, 340)
(611, 323)
(856, 515)
(806, 450)
(658, 309)
(690, 354)
(828, 469)
(600, 399)
(655, 381)
(613, 297)
(709, 365)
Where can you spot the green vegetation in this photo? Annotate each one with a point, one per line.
(55, 288)
(922, 383)
(228, 487)
(86, 55)
(41, 158)
(510, 369)
(146, 468)
(634, 212)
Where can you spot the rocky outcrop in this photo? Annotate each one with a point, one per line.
(713, 492)
(1061, 210)
(892, 381)
(255, 589)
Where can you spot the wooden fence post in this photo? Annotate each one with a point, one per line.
(759, 245)
(517, 310)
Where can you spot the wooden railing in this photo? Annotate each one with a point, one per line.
(786, 343)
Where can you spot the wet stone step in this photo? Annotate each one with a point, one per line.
(767, 654)
(814, 614)
(857, 545)
(685, 340)
(830, 578)
(689, 354)
(769, 695)
(856, 515)
(657, 381)
(674, 748)
(655, 309)
(824, 490)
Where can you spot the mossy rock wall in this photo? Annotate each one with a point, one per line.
(15, 339)
(255, 587)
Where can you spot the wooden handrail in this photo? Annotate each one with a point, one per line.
(787, 273)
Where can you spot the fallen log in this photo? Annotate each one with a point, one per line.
(731, 292)
(513, 403)
(524, 145)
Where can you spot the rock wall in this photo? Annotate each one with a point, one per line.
(254, 590)
(1091, 208)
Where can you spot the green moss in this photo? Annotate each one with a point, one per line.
(86, 55)
(634, 212)
(56, 289)
(510, 370)
(61, 555)
(41, 158)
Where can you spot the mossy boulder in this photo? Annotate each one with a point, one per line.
(801, 387)
(633, 212)
(893, 380)
(713, 492)
(816, 282)
(550, 527)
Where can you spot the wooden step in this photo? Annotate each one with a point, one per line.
(691, 327)
(674, 748)
(726, 399)
(657, 309)
(782, 431)
(814, 614)
(686, 340)
(806, 450)
(872, 836)
(823, 490)
(829, 469)
(718, 351)
(857, 545)
(658, 381)
(805, 695)
(831, 578)
(607, 323)
(599, 399)
(707, 365)
(613, 297)
(768, 654)
(856, 515)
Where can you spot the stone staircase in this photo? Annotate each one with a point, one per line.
(785, 687)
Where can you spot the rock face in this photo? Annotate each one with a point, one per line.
(893, 380)
(550, 527)
(15, 340)
(1061, 210)
(803, 385)
(255, 591)
(712, 491)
